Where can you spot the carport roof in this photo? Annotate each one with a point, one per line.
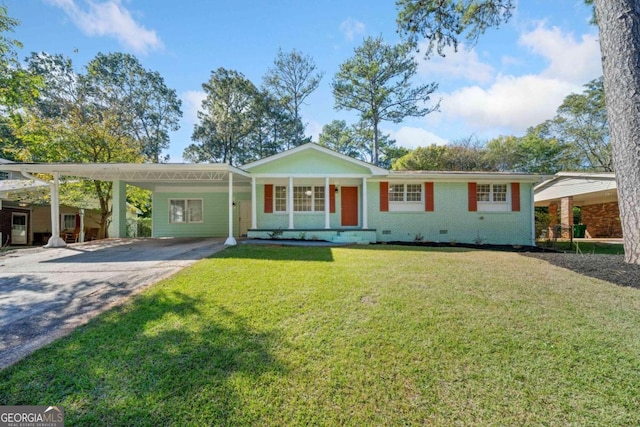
(133, 172)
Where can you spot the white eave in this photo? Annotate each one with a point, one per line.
(132, 172)
(464, 176)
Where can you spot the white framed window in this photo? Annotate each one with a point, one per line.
(405, 197)
(183, 211)
(280, 199)
(405, 193)
(493, 197)
(306, 198)
(68, 221)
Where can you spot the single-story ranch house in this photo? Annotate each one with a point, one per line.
(313, 193)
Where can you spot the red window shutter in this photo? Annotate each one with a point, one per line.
(268, 198)
(473, 198)
(428, 197)
(332, 199)
(384, 197)
(77, 220)
(515, 196)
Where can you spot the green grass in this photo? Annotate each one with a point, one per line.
(351, 336)
(599, 248)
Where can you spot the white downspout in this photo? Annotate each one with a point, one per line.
(55, 241)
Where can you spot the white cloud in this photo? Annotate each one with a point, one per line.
(576, 61)
(351, 28)
(464, 63)
(511, 102)
(412, 137)
(110, 18)
(515, 103)
(192, 102)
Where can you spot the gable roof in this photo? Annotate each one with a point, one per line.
(312, 147)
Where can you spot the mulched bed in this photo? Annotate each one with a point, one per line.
(611, 268)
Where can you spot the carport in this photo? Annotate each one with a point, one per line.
(151, 176)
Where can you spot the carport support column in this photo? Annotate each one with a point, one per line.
(231, 241)
(118, 226)
(55, 241)
(254, 209)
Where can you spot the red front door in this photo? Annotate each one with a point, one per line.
(349, 206)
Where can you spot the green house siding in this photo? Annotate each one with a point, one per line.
(215, 206)
(451, 221)
(315, 163)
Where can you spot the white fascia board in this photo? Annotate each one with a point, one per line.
(308, 175)
(461, 177)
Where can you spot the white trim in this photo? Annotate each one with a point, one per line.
(308, 175)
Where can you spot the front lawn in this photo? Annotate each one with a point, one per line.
(381, 335)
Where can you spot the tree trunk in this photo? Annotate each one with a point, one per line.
(619, 23)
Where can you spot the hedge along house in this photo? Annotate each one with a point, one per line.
(313, 193)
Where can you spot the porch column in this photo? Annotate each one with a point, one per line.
(291, 225)
(327, 217)
(254, 209)
(55, 241)
(230, 240)
(365, 223)
(118, 226)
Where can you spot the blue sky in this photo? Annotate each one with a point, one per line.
(514, 78)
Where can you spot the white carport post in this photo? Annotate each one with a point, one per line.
(254, 209)
(231, 241)
(55, 241)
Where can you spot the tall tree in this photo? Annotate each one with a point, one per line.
(147, 107)
(97, 116)
(291, 80)
(340, 137)
(226, 119)
(376, 82)
(442, 22)
(581, 121)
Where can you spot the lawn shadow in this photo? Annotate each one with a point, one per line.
(163, 359)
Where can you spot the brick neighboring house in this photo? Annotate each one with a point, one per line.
(595, 193)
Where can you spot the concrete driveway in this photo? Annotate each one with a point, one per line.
(46, 293)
